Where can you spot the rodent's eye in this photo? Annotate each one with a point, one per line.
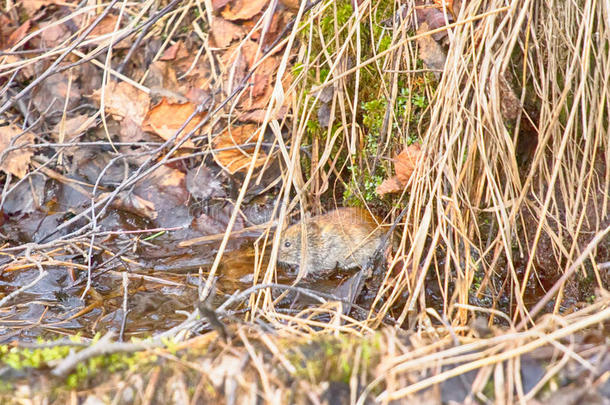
(287, 244)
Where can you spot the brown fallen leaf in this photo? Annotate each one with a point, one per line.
(49, 97)
(53, 34)
(238, 158)
(388, 186)
(224, 32)
(26, 71)
(405, 164)
(218, 4)
(123, 100)
(430, 51)
(171, 53)
(107, 26)
(72, 127)
(292, 5)
(235, 62)
(31, 6)
(263, 85)
(166, 118)
(18, 34)
(243, 9)
(130, 202)
(16, 161)
(258, 116)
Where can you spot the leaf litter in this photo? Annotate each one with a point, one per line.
(108, 221)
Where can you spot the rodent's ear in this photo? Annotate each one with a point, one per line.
(313, 226)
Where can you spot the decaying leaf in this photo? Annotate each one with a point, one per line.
(258, 116)
(106, 26)
(262, 87)
(49, 97)
(16, 161)
(218, 4)
(430, 51)
(238, 158)
(243, 9)
(25, 72)
(175, 51)
(166, 118)
(405, 164)
(123, 100)
(72, 127)
(224, 32)
(292, 5)
(18, 34)
(31, 6)
(53, 34)
(388, 186)
(130, 202)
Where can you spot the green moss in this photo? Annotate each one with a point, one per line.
(19, 358)
(332, 359)
(361, 173)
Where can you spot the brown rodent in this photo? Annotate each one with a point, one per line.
(344, 238)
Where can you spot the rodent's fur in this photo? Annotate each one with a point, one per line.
(344, 238)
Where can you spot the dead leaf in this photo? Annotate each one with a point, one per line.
(25, 72)
(258, 116)
(18, 34)
(172, 52)
(430, 51)
(224, 32)
(243, 9)
(166, 118)
(130, 202)
(16, 161)
(53, 34)
(262, 84)
(72, 127)
(218, 4)
(123, 100)
(131, 132)
(107, 26)
(50, 96)
(162, 75)
(292, 5)
(388, 186)
(406, 162)
(165, 189)
(238, 158)
(235, 64)
(31, 6)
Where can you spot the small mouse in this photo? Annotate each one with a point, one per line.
(344, 238)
